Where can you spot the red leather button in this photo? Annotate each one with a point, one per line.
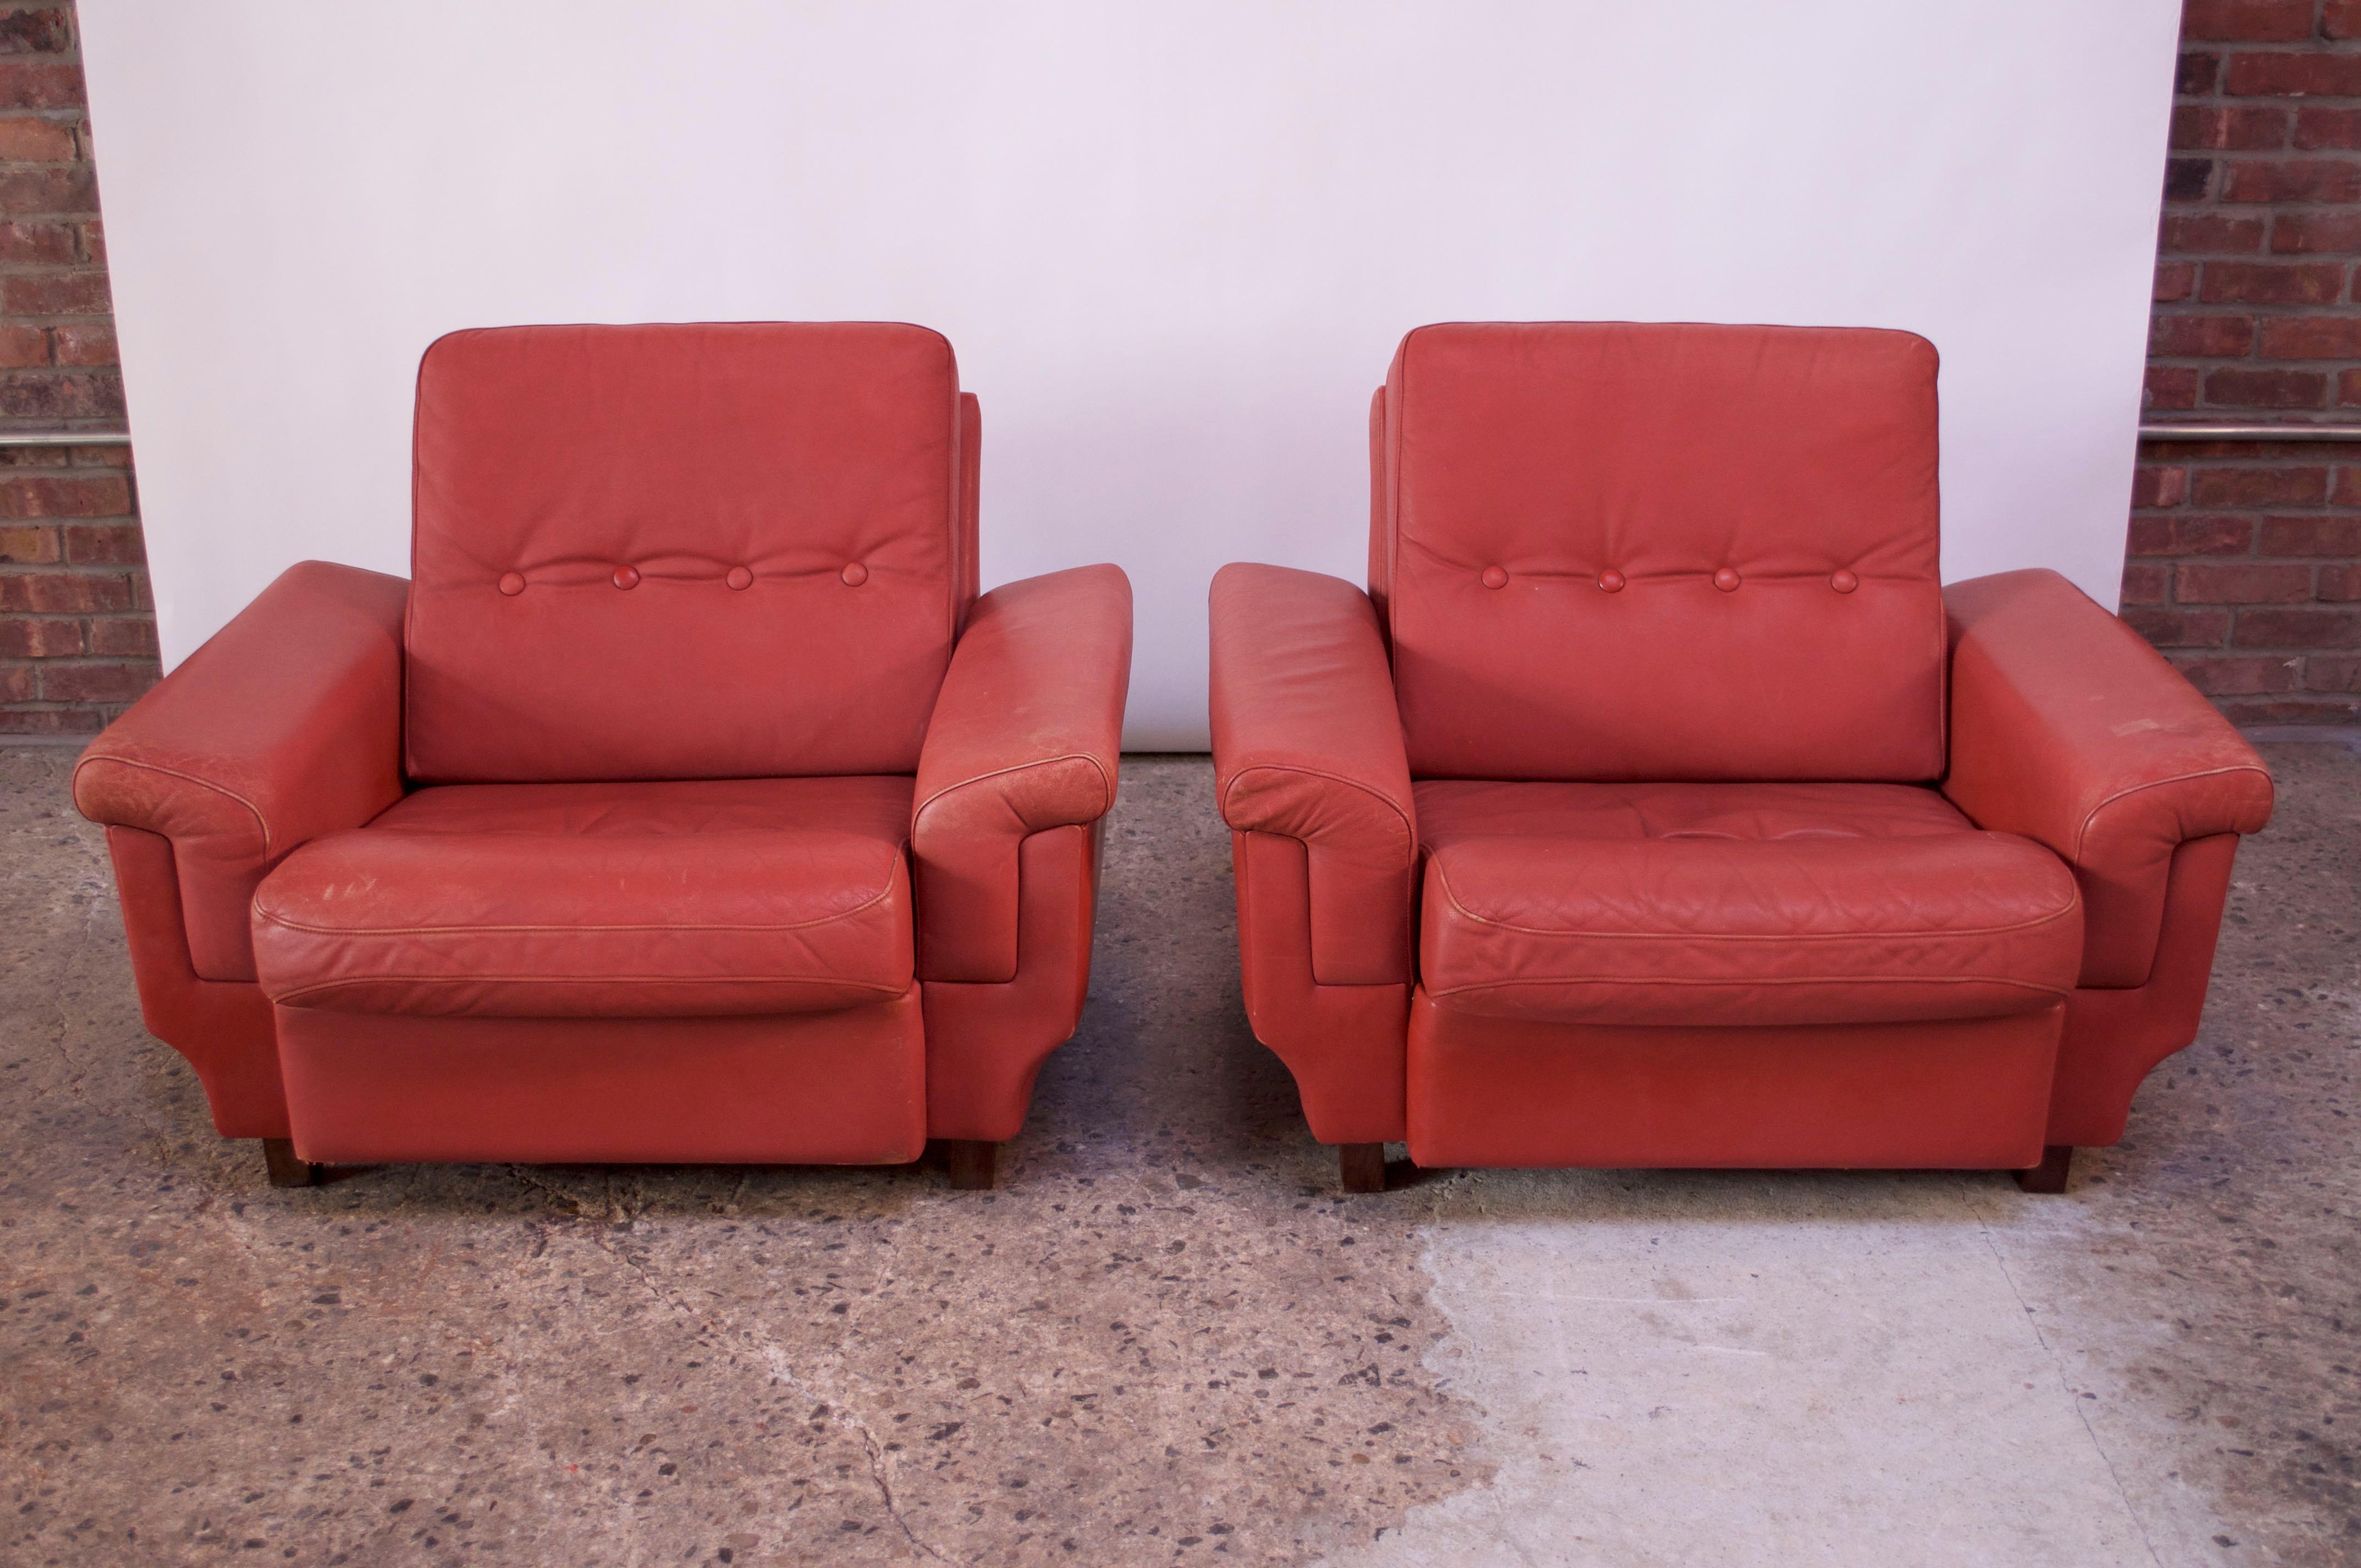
(855, 575)
(1726, 580)
(1611, 580)
(1844, 582)
(627, 577)
(1494, 577)
(739, 577)
(512, 584)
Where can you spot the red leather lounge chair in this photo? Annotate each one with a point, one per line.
(1658, 806)
(686, 804)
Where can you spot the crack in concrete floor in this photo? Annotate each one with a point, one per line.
(1984, 1230)
(620, 1215)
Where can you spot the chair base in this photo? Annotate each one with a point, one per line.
(2050, 1176)
(1967, 1094)
(972, 1163)
(1362, 1167)
(842, 1088)
(286, 1169)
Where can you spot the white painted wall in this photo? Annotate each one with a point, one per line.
(1174, 245)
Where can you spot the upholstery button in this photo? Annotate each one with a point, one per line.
(627, 577)
(1844, 582)
(855, 574)
(1611, 580)
(512, 584)
(1494, 577)
(739, 577)
(1726, 580)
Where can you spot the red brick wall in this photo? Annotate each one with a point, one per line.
(2245, 560)
(77, 636)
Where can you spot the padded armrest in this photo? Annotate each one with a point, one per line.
(286, 725)
(1025, 736)
(1308, 744)
(2068, 728)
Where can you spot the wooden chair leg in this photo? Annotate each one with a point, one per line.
(1363, 1166)
(971, 1161)
(286, 1169)
(2050, 1176)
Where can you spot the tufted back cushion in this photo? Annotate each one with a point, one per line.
(681, 552)
(1665, 553)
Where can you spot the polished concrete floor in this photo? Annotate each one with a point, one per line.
(1168, 1338)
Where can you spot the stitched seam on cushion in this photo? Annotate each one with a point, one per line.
(259, 821)
(1370, 790)
(1442, 875)
(2082, 834)
(277, 919)
(1396, 436)
(956, 516)
(1797, 979)
(1106, 789)
(327, 985)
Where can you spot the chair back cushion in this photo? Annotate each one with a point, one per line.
(681, 551)
(1663, 552)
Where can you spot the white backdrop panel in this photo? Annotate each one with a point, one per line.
(1174, 246)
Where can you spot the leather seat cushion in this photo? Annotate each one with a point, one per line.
(1734, 903)
(614, 900)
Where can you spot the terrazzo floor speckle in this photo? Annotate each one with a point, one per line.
(1166, 1337)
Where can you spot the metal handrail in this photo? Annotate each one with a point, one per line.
(65, 438)
(2193, 431)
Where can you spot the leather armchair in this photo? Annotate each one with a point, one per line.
(1657, 806)
(686, 804)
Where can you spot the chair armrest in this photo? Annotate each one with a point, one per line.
(286, 725)
(1025, 736)
(1308, 745)
(2068, 728)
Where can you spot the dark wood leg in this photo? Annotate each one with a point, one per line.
(286, 1170)
(1363, 1166)
(2050, 1176)
(971, 1161)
